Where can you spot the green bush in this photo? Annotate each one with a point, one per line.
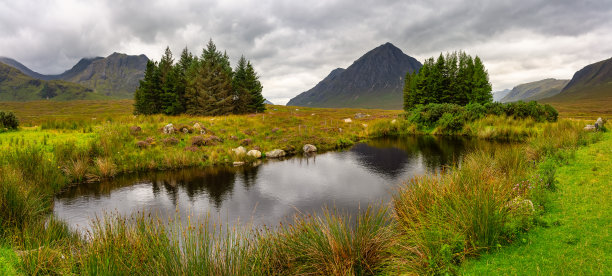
(449, 123)
(8, 120)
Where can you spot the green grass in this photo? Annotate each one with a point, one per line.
(8, 261)
(574, 233)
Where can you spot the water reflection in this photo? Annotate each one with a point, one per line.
(272, 191)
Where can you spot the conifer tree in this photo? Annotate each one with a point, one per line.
(239, 84)
(147, 96)
(481, 87)
(254, 87)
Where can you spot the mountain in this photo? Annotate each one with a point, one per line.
(116, 76)
(17, 86)
(375, 80)
(498, 95)
(268, 102)
(594, 81)
(536, 90)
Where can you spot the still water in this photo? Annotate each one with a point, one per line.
(272, 191)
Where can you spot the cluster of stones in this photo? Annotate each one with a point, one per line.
(595, 127)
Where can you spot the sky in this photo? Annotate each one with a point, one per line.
(295, 44)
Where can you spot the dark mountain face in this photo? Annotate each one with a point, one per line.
(116, 76)
(592, 81)
(375, 80)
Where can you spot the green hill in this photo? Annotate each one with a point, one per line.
(17, 86)
(536, 90)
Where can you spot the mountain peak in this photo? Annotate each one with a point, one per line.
(375, 80)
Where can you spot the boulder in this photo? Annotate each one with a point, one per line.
(590, 128)
(168, 129)
(599, 123)
(348, 120)
(197, 126)
(277, 153)
(240, 151)
(309, 148)
(254, 153)
(361, 115)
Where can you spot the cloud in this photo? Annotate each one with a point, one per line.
(293, 45)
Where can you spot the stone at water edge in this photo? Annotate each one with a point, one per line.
(240, 151)
(168, 129)
(238, 163)
(254, 153)
(309, 148)
(275, 153)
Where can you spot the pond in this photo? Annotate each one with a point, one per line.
(272, 191)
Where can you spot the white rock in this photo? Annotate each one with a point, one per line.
(240, 151)
(590, 127)
(238, 163)
(254, 154)
(168, 129)
(309, 148)
(275, 153)
(393, 121)
(348, 120)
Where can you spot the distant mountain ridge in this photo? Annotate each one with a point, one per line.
(17, 86)
(375, 80)
(536, 90)
(116, 76)
(498, 95)
(591, 82)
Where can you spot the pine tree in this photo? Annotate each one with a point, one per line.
(181, 68)
(408, 93)
(254, 87)
(481, 87)
(147, 96)
(170, 101)
(241, 92)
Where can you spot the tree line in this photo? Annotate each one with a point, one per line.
(454, 78)
(204, 85)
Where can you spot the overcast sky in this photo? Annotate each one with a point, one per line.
(294, 44)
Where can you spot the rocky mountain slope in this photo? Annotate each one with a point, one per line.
(536, 90)
(17, 86)
(375, 80)
(115, 76)
(594, 81)
(498, 95)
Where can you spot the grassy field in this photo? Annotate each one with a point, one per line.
(434, 224)
(575, 234)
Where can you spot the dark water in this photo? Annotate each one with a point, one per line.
(272, 191)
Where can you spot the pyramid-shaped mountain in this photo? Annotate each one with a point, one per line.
(375, 80)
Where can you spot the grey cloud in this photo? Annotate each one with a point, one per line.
(295, 44)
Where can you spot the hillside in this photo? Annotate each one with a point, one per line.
(116, 76)
(375, 80)
(498, 95)
(536, 90)
(17, 86)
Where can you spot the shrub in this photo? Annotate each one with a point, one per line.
(450, 123)
(8, 120)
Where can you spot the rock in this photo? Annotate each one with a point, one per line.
(168, 129)
(277, 153)
(238, 163)
(203, 131)
(240, 151)
(185, 130)
(393, 121)
(361, 115)
(599, 123)
(348, 120)
(590, 128)
(254, 153)
(135, 130)
(309, 148)
(197, 141)
(246, 142)
(197, 126)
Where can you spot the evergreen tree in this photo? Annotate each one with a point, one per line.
(181, 68)
(241, 92)
(170, 101)
(481, 87)
(147, 96)
(408, 96)
(254, 87)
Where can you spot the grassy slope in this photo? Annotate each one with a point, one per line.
(578, 240)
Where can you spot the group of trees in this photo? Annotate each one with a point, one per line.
(204, 85)
(456, 78)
